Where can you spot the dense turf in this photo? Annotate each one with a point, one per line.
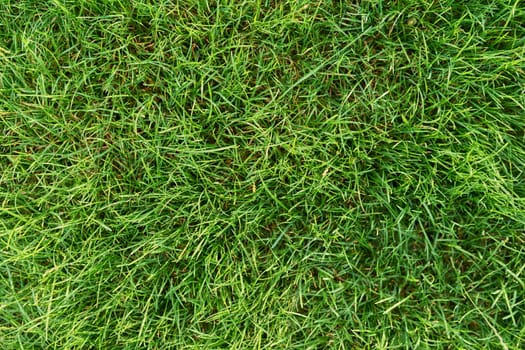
(262, 174)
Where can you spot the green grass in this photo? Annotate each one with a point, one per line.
(262, 174)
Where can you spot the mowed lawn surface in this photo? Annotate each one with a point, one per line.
(262, 174)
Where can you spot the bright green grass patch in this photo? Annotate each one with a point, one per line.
(262, 174)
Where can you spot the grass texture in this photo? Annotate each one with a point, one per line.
(203, 174)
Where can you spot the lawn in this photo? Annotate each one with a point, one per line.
(232, 174)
